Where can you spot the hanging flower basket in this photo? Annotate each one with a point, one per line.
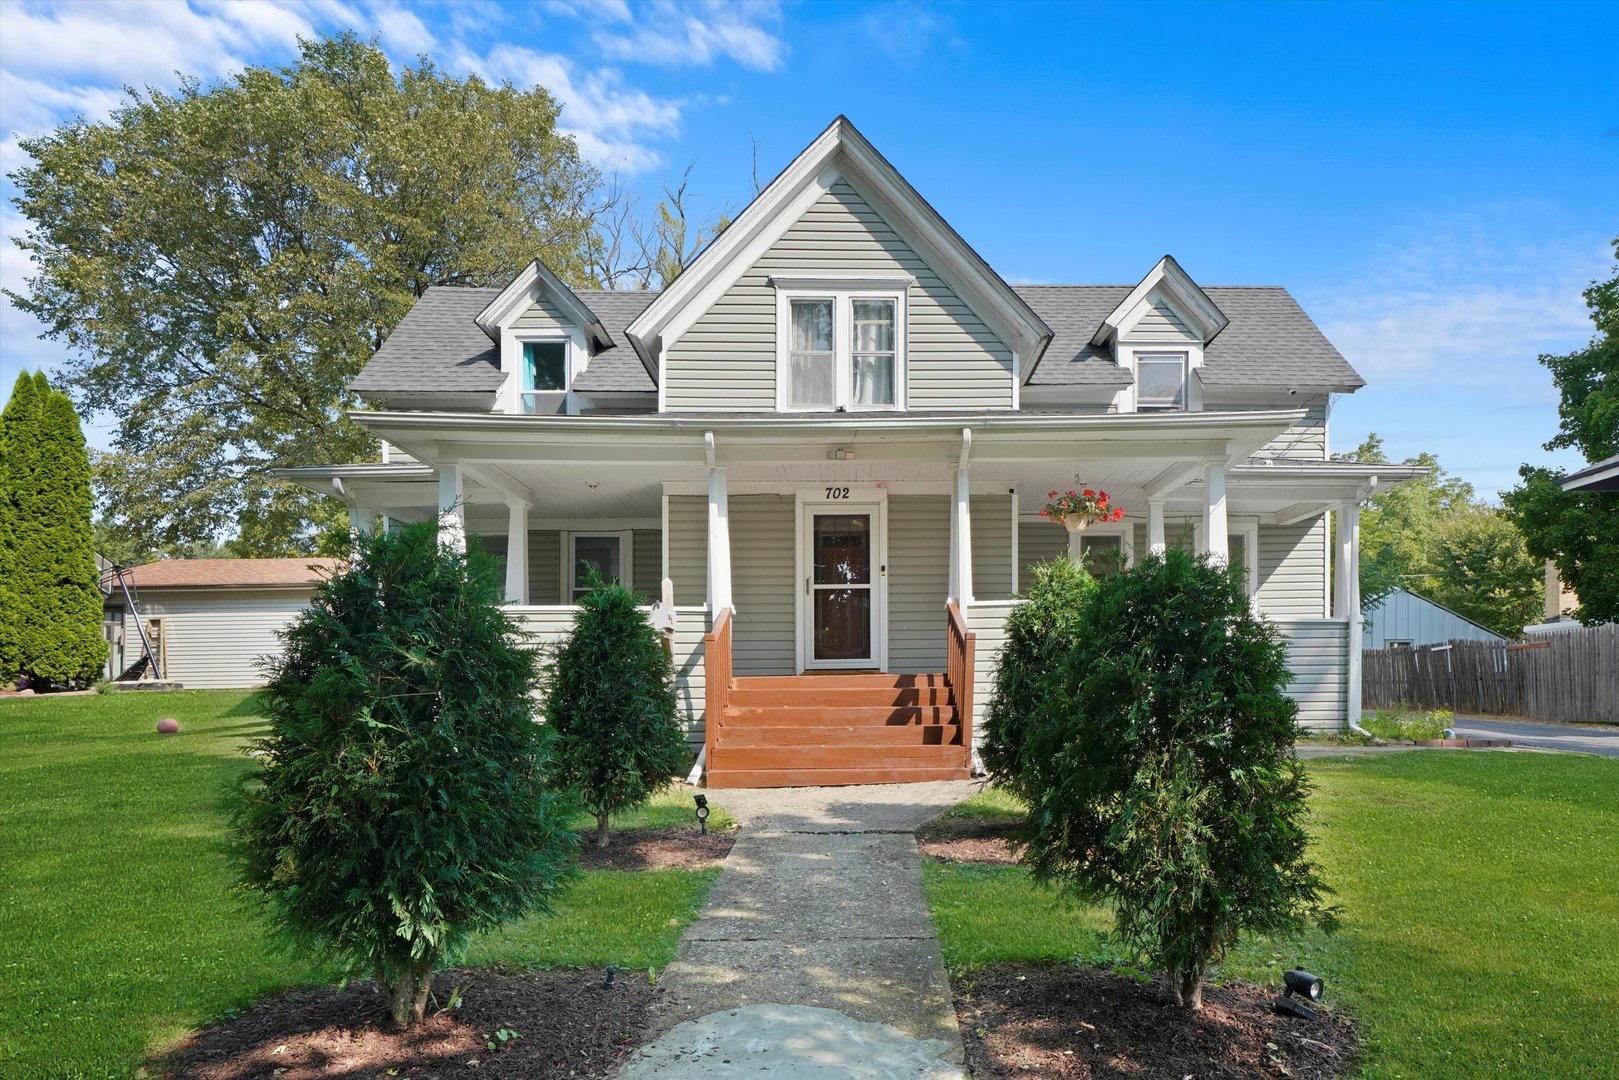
(1076, 510)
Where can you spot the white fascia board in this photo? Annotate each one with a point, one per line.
(1179, 284)
(840, 152)
(649, 331)
(1600, 476)
(515, 298)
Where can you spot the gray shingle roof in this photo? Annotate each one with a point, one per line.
(617, 368)
(437, 348)
(1270, 342)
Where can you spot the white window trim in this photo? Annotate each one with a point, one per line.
(842, 292)
(1248, 529)
(511, 357)
(1138, 354)
(570, 560)
(1124, 529)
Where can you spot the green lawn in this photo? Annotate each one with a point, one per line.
(1482, 913)
(118, 931)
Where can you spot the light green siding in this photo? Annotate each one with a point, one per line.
(545, 567)
(918, 581)
(992, 547)
(1293, 569)
(1306, 439)
(763, 577)
(688, 548)
(1160, 323)
(543, 314)
(1038, 541)
(646, 563)
(727, 360)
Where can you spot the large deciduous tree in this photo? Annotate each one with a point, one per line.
(50, 598)
(223, 260)
(399, 806)
(1579, 530)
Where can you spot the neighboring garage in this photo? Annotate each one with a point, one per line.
(211, 620)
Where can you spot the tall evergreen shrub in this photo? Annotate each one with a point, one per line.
(1162, 775)
(400, 807)
(610, 698)
(1039, 633)
(49, 590)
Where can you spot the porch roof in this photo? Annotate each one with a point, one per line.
(594, 468)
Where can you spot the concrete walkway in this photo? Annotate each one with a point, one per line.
(814, 956)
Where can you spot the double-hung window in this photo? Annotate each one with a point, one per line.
(545, 373)
(1160, 382)
(606, 555)
(843, 351)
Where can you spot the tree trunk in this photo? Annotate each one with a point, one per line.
(410, 997)
(601, 830)
(1187, 986)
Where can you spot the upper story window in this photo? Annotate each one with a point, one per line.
(842, 351)
(1160, 382)
(545, 375)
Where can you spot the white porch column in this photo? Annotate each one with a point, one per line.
(1215, 543)
(719, 542)
(1155, 527)
(452, 511)
(1346, 576)
(961, 539)
(1341, 566)
(362, 519)
(516, 551)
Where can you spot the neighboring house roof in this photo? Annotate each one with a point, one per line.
(439, 348)
(1599, 476)
(1269, 342)
(227, 573)
(1401, 604)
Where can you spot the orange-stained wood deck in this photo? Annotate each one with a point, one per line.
(828, 729)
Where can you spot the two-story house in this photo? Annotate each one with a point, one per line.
(832, 436)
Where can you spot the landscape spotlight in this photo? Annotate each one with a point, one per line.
(1301, 983)
(702, 813)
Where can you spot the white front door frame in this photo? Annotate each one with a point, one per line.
(858, 498)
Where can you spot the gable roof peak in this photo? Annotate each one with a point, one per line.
(1168, 275)
(840, 152)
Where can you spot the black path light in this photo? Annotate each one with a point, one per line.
(702, 813)
(1299, 983)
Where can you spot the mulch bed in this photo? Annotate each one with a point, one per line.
(970, 841)
(1091, 1022)
(571, 1023)
(682, 848)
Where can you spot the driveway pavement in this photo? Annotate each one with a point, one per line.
(1583, 738)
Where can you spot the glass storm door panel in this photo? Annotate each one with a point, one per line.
(842, 590)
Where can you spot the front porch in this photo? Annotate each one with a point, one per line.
(840, 588)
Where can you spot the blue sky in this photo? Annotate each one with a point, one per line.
(1435, 183)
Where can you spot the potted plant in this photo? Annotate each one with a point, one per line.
(1075, 510)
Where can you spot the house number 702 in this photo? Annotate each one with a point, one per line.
(837, 493)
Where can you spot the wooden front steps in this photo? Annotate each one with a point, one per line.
(832, 729)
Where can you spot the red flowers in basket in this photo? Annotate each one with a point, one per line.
(1085, 507)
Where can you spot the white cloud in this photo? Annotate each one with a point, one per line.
(696, 33)
(610, 120)
(402, 33)
(1479, 295)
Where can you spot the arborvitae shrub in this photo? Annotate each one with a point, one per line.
(610, 699)
(1039, 632)
(1161, 770)
(400, 805)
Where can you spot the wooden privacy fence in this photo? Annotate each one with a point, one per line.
(1569, 676)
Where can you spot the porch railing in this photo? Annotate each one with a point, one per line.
(716, 679)
(960, 645)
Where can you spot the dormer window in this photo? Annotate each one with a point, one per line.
(545, 375)
(1160, 382)
(840, 347)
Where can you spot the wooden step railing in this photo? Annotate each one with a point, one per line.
(717, 679)
(960, 645)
